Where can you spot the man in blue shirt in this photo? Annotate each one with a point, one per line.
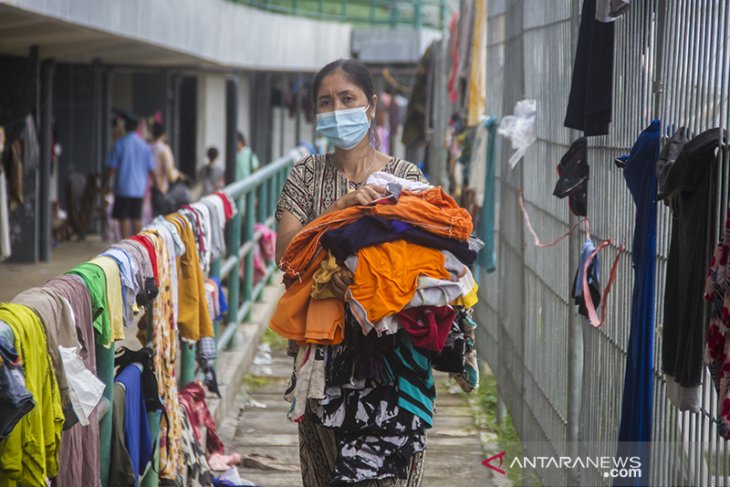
(130, 162)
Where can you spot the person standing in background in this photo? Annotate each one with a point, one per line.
(246, 161)
(130, 163)
(212, 174)
(165, 171)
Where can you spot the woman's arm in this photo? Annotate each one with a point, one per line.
(289, 226)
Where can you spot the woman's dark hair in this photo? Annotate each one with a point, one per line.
(356, 73)
(158, 130)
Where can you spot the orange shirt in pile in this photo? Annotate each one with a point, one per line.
(386, 277)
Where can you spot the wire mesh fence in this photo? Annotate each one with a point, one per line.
(560, 378)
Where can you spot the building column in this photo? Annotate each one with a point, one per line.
(231, 127)
(46, 140)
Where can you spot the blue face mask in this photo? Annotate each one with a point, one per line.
(344, 128)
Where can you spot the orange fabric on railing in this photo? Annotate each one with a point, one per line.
(432, 210)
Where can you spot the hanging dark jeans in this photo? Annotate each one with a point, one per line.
(636, 407)
(591, 88)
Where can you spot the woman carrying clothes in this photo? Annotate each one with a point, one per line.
(357, 435)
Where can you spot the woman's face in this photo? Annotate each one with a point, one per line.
(336, 92)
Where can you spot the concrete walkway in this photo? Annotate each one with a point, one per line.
(15, 278)
(267, 441)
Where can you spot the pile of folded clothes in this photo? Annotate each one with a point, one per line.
(408, 256)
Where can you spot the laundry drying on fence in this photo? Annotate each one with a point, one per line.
(60, 417)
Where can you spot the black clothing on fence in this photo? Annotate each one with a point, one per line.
(688, 189)
(591, 89)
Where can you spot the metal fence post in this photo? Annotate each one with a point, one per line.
(105, 372)
(248, 235)
(151, 478)
(215, 271)
(234, 245)
(263, 203)
(187, 363)
(233, 236)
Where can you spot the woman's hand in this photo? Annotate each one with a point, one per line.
(339, 284)
(363, 196)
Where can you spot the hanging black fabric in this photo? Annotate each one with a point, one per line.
(591, 89)
(574, 173)
(688, 189)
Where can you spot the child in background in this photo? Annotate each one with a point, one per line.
(212, 174)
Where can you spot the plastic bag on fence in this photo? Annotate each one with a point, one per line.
(520, 129)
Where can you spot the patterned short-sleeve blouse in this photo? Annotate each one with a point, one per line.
(314, 183)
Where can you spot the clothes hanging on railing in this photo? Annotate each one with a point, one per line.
(717, 292)
(465, 42)
(574, 173)
(60, 330)
(130, 285)
(415, 128)
(610, 10)
(95, 281)
(131, 440)
(196, 472)
(29, 454)
(164, 339)
(79, 455)
(591, 90)
(485, 226)
(635, 430)
(689, 191)
(192, 399)
(115, 307)
(477, 83)
(668, 156)
(194, 318)
(91, 305)
(15, 400)
(593, 279)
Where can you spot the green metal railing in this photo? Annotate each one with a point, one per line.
(255, 197)
(381, 13)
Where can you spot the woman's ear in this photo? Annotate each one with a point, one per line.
(373, 107)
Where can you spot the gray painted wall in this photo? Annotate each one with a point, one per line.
(212, 31)
(211, 114)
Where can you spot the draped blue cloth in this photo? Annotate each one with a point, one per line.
(639, 171)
